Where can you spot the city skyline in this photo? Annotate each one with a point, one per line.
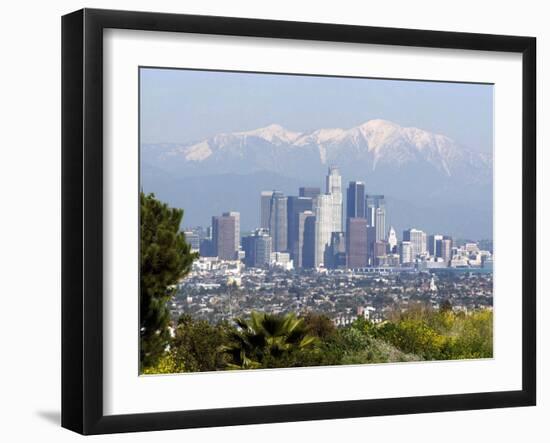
(319, 214)
(299, 231)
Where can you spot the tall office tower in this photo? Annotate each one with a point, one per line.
(336, 256)
(418, 241)
(265, 208)
(249, 250)
(380, 224)
(355, 202)
(372, 202)
(309, 191)
(237, 216)
(356, 242)
(278, 222)
(371, 240)
(334, 189)
(257, 248)
(446, 249)
(323, 226)
(375, 211)
(295, 205)
(405, 252)
(223, 237)
(380, 248)
(297, 252)
(308, 249)
(392, 240)
(434, 245)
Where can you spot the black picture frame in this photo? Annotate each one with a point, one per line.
(82, 218)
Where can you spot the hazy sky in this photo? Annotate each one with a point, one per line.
(183, 106)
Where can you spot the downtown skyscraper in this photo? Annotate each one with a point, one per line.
(237, 217)
(223, 237)
(278, 219)
(296, 206)
(418, 241)
(334, 189)
(306, 240)
(323, 227)
(355, 201)
(257, 248)
(356, 242)
(375, 208)
(265, 208)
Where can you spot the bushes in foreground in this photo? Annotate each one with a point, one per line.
(276, 341)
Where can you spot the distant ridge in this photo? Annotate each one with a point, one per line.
(423, 169)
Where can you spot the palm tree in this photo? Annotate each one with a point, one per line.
(266, 338)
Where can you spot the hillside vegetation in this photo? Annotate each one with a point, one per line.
(282, 341)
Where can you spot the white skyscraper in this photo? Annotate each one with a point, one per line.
(380, 223)
(406, 252)
(392, 239)
(334, 189)
(323, 226)
(418, 241)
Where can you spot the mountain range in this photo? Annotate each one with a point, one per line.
(430, 181)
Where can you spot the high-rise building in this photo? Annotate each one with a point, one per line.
(237, 216)
(434, 245)
(371, 240)
(223, 237)
(249, 249)
(323, 227)
(375, 210)
(265, 208)
(306, 256)
(309, 191)
(371, 203)
(356, 243)
(355, 202)
(446, 249)
(296, 205)
(405, 252)
(418, 240)
(380, 224)
(334, 189)
(337, 251)
(392, 240)
(278, 222)
(257, 248)
(299, 246)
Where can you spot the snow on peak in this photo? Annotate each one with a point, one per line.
(272, 133)
(380, 140)
(200, 151)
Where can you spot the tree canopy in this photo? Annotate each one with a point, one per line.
(165, 257)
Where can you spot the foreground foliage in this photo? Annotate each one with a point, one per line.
(276, 341)
(165, 257)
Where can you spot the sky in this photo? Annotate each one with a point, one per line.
(180, 106)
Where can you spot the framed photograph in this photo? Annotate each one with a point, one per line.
(268, 221)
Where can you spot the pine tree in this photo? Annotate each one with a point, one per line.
(165, 257)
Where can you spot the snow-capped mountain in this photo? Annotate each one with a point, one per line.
(374, 145)
(423, 174)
